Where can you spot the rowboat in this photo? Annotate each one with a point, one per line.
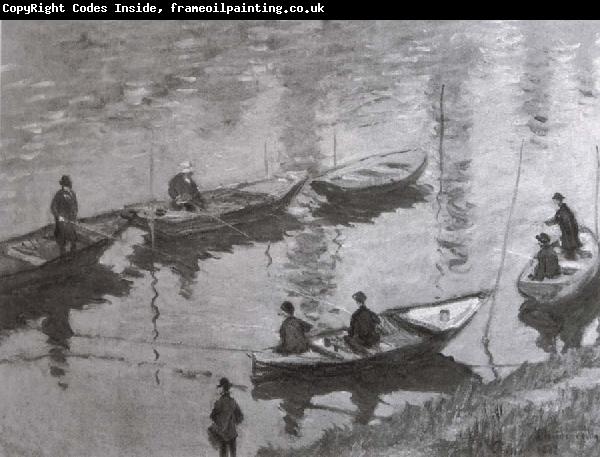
(34, 257)
(372, 176)
(225, 206)
(407, 334)
(575, 274)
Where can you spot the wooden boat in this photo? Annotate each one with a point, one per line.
(34, 257)
(576, 274)
(407, 334)
(371, 176)
(226, 206)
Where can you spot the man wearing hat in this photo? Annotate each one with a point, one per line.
(184, 191)
(64, 209)
(565, 219)
(292, 333)
(226, 414)
(363, 325)
(547, 260)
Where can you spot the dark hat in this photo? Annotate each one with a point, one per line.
(65, 180)
(287, 307)
(359, 296)
(543, 238)
(558, 196)
(224, 383)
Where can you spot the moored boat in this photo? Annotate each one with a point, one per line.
(575, 275)
(407, 334)
(371, 176)
(34, 257)
(226, 206)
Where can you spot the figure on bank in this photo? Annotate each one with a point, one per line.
(226, 415)
(183, 190)
(363, 332)
(292, 333)
(564, 217)
(547, 260)
(64, 209)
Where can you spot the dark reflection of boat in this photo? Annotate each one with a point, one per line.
(566, 321)
(34, 257)
(53, 302)
(365, 211)
(372, 176)
(437, 374)
(183, 255)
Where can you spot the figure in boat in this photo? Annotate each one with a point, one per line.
(292, 332)
(64, 208)
(547, 260)
(363, 331)
(183, 190)
(564, 217)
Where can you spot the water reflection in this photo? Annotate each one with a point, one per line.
(357, 211)
(567, 321)
(53, 302)
(439, 374)
(183, 256)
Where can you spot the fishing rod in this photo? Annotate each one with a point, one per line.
(107, 236)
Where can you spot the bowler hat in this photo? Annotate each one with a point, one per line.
(224, 383)
(558, 196)
(288, 307)
(359, 296)
(65, 180)
(543, 238)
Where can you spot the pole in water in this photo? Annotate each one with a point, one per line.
(334, 148)
(266, 161)
(596, 194)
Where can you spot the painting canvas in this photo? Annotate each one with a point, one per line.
(299, 238)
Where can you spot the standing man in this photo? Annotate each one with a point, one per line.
(64, 209)
(564, 217)
(363, 325)
(226, 414)
(184, 191)
(292, 332)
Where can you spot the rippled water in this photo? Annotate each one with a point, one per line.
(123, 358)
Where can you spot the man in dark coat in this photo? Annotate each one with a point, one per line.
(547, 260)
(184, 191)
(363, 325)
(226, 414)
(64, 209)
(565, 219)
(293, 339)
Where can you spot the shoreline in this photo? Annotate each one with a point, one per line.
(549, 408)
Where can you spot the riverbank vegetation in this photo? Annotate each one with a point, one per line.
(544, 409)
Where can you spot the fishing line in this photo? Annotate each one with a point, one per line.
(492, 298)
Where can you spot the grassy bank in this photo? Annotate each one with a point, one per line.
(544, 409)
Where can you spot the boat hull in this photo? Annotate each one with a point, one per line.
(408, 335)
(19, 274)
(576, 275)
(200, 223)
(340, 192)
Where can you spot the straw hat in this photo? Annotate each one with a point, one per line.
(186, 167)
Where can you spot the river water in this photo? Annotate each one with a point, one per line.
(123, 357)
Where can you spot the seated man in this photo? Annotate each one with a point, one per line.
(292, 332)
(183, 190)
(363, 325)
(547, 260)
